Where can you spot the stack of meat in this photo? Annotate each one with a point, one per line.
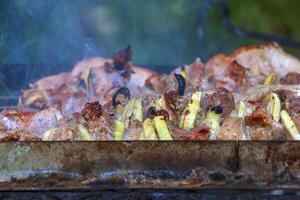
(251, 94)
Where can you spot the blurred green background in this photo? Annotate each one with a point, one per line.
(163, 34)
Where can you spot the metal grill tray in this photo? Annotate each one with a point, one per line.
(148, 164)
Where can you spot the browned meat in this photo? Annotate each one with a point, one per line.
(231, 129)
(292, 105)
(236, 72)
(222, 97)
(98, 121)
(259, 117)
(92, 111)
(171, 100)
(194, 73)
(68, 106)
(198, 133)
(43, 121)
(33, 123)
(157, 83)
(290, 101)
(18, 136)
(12, 120)
(66, 133)
(261, 127)
(258, 61)
(92, 62)
(275, 131)
(291, 78)
(52, 82)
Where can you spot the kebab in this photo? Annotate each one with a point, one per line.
(233, 97)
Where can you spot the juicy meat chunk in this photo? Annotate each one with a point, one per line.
(275, 131)
(291, 78)
(259, 117)
(292, 105)
(222, 97)
(259, 61)
(290, 101)
(43, 121)
(12, 120)
(171, 103)
(236, 72)
(18, 136)
(66, 133)
(158, 83)
(92, 111)
(231, 129)
(198, 133)
(98, 121)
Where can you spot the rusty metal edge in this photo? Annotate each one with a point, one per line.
(246, 159)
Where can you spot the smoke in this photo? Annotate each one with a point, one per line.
(44, 32)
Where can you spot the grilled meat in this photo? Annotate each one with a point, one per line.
(231, 97)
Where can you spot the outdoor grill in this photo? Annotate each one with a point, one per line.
(142, 167)
(145, 169)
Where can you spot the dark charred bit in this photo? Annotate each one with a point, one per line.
(122, 58)
(119, 67)
(151, 113)
(163, 113)
(124, 91)
(171, 100)
(217, 109)
(291, 78)
(181, 84)
(92, 111)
